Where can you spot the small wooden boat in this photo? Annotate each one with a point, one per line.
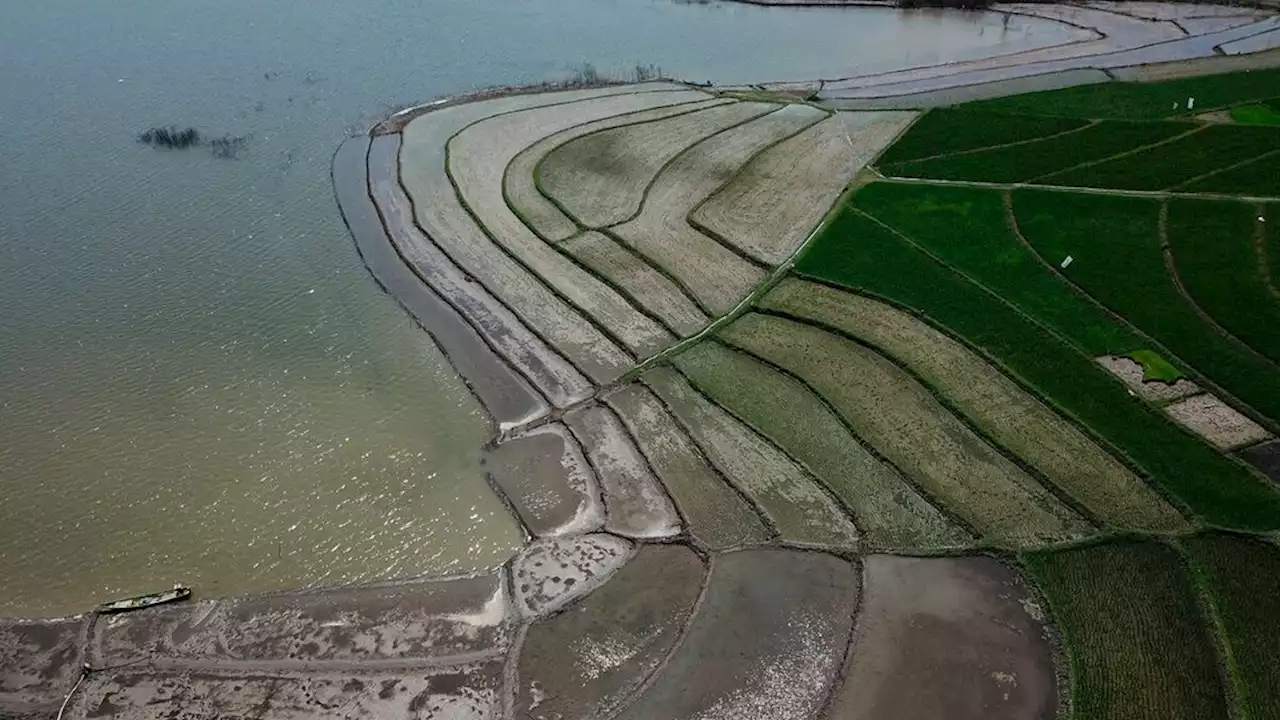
(178, 593)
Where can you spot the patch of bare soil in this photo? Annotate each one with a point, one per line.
(1130, 372)
(1215, 421)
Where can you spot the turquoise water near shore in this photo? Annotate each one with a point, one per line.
(199, 382)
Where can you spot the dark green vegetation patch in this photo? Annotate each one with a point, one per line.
(855, 251)
(1142, 101)
(1116, 245)
(1138, 644)
(1213, 148)
(1241, 577)
(1260, 114)
(1216, 248)
(1028, 161)
(949, 130)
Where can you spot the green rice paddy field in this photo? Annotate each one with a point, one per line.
(1036, 235)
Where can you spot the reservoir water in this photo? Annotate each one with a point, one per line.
(199, 382)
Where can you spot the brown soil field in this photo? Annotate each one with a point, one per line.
(717, 516)
(887, 508)
(1005, 411)
(798, 507)
(477, 159)
(602, 178)
(649, 287)
(446, 221)
(955, 638)
(903, 421)
(539, 212)
(769, 209)
(553, 376)
(718, 276)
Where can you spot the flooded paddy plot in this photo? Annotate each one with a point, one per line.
(961, 638)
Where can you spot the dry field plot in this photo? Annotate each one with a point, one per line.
(648, 287)
(478, 157)
(715, 274)
(1005, 411)
(510, 338)
(601, 179)
(770, 207)
(786, 494)
(448, 224)
(717, 516)
(537, 210)
(887, 508)
(902, 420)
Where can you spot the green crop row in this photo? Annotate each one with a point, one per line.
(1141, 101)
(1021, 163)
(1137, 641)
(1256, 178)
(947, 130)
(969, 230)
(1241, 577)
(857, 252)
(1213, 249)
(1208, 150)
(1116, 246)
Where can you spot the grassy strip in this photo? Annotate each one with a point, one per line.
(1256, 178)
(1174, 163)
(1213, 248)
(1138, 645)
(1155, 367)
(901, 419)
(968, 229)
(948, 130)
(1021, 163)
(1006, 412)
(1271, 249)
(887, 508)
(1241, 577)
(1140, 101)
(1259, 114)
(1116, 245)
(855, 251)
(784, 492)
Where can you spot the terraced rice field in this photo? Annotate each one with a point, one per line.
(1237, 575)
(1138, 644)
(741, 396)
(601, 179)
(891, 513)
(1119, 261)
(856, 251)
(1009, 414)
(905, 422)
(769, 208)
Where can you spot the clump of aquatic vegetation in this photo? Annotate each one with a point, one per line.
(588, 75)
(173, 138)
(957, 4)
